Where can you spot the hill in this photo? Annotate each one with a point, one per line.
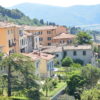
(74, 15)
(17, 17)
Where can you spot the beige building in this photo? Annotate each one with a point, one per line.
(63, 39)
(44, 63)
(46, 33)
(82, 52)
(9, 37)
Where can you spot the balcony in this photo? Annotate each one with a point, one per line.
(12, 44)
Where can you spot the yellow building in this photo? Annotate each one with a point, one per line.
(44, 63)
(9, 37)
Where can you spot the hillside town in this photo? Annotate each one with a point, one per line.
(43, 43)
(47, 47)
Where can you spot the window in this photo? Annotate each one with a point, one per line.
(21, 32)
(22, 42)
(48, 67)
(48, 32)
(84, 53)
(57, 55)
(49, 38)
(40, 39)
(49, 43)
(36, 40)
(37, 64)
(8, 32)
(65, 53)
(61, 41)
(69, 41)
(40, 33)
(9, 43)
(74, 53)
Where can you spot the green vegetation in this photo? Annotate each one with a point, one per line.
(19, 78)
(80, 79)
(67, 62)
(78, 61)
(83, 38)
(18, 17)
(75, 30)
(91, 94)
(20, 83)
(50, 89)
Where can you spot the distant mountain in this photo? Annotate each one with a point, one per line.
(17, 17)
(74, 15)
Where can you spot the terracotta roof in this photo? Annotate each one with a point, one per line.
(79, 47)
(64, 36)
(34, 58)
(53, 49)
(27, 33)
(39, 27)
(37, 56)
(7, 24)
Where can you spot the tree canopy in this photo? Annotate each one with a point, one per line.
(84, 38)
(67, 61)
(20, 72)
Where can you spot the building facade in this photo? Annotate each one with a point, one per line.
(9, 37)
(82, 52)
(46, 33)
(44, 63)
(63, 39)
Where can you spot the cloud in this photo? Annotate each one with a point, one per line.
(8, 3)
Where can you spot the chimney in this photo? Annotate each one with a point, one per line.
(99, 51)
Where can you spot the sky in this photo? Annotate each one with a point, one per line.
(63, 3)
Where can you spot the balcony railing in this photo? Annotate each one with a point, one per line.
(12, 45)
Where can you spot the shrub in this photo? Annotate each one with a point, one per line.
(33, 94)
(67, 61)
(75, 65)
(79, 61)
(54, 83)
(92, 94)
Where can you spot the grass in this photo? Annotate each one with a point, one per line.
(53, 92)
(61, 71)
(19, 98)
(13, 98)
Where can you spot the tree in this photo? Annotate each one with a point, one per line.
(67, 62)
(75, 30)
(91, 74)
(36, 21)
(42, 21)
(84, 38)
(92, 94)
(33, 93)
(76, 65)
(75, 85)
(78, 61)
(20, 72)
(49, 85)
(81, 79)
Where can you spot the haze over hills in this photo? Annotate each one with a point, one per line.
(74, 15)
